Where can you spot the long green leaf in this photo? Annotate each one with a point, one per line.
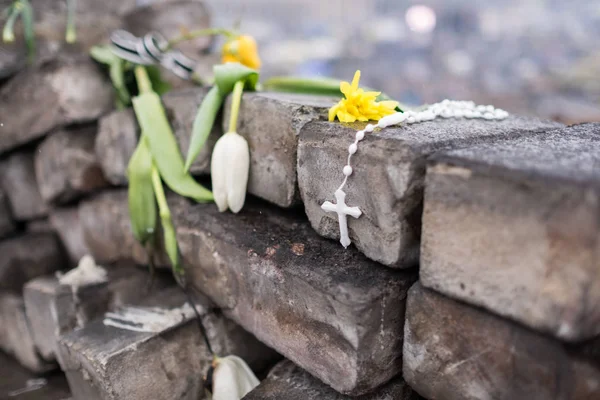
(317, 86)
(203, 123)
(142, 206)
(12, 13)
(226, 76)
(163, 146)
(28, 28)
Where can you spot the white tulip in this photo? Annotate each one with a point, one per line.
(232, 379)
(230, 166)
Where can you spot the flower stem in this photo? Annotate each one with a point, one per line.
(8, 33)
(238, 90)
(198, 33)
(142, 79)
(71, 34)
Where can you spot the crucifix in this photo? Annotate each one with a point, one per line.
(342, 211)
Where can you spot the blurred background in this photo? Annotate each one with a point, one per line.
(538, 57)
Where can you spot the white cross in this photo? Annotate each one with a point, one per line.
(342, 210)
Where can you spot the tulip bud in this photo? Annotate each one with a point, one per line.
(230, 166)
(232, 379)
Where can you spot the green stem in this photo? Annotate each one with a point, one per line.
(8, 34)
(238, 90)
(198, 33)
(71, 34)
(142, 79)
(159, 193)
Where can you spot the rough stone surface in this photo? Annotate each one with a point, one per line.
(15, 334)
(103, 362)
(7, 225)
(57, 92)
(453, 351)
(118, 134)
(28, 256)
(387, 183)
(66, 166)
(65, 221)
(286, 381)
(271, 122)
(331, 311)
(20, 384)
(41, 225)
(54, 309)
(107, 233)
(515, 228)
(17, 177)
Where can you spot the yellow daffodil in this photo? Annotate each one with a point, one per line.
(359, 105)
(242, 49)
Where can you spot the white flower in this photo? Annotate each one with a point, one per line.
(232, 379)
(230, 166)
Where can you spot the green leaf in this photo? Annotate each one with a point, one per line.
(226, 76)
(316, 86)
(159, 85)
(28, 30)
(11, 15)
(103, 55)
(163, 146)
(142, 206)
(203, 123)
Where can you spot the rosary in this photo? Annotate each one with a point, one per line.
(445, 109)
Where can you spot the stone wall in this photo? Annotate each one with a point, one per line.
(474, 272)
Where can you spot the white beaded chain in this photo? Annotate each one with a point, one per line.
(445, 109)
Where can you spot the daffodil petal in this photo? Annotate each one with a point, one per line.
(355, 80)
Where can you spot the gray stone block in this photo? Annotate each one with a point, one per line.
(28, 256)
(388, 179)
(105, 362)
(66, 166)
(453, 351)
(514, 227)
(56, 93)
(118, 134)
(15, 334)
(286, 381)
(7, 225)
(331, 311)
(17, 177)
(65, 221)
(271, 123)
(54, 309)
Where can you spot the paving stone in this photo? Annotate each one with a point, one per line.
(66, 166)
(28, 256)
(454, 351)
(105, 362)
(40, 225)
(514, 227)
(7, 225)
(54, 309)
(331, 311)
(20, 384)
(65, 221)
(271, 122)
(17, 177)
(286, 381)
(57, 92)
(118, 134)
(15, 334)
(388, 179)
(107, 233)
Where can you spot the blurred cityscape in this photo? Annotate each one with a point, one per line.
(537, 57)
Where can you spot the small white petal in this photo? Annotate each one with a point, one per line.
(238, 169)
(232, 379)
(218, 168)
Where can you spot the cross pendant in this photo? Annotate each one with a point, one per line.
(342, 211)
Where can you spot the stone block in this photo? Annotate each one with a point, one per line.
(65, 221)
(7, 225)
(331, 311)
(15, 334)
(106, 362)
(271, 123)
(514, 227)
(17, 178)
(50, 95)
(54, 309)
(28, 256)
(66, 167)
(286, 381)
(118, 134)
(21, 384)
(388, 179)
(453, 351)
